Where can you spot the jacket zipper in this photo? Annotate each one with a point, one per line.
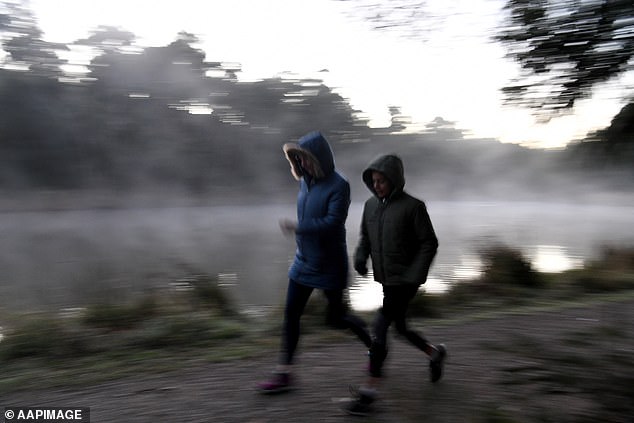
(382, 207)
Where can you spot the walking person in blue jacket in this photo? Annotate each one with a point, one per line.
(397, 234)
(321, 258)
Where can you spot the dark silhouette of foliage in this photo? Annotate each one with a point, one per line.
(610, 149)
(621, 130)
(25, 46)
(108, 39)
(565, 49)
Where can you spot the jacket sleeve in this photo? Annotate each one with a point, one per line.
(362, 251)
(427, 246)
(336, 213)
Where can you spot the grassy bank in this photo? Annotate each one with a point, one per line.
(509, 281)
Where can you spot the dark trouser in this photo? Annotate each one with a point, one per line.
(296, 299)
(396, 299)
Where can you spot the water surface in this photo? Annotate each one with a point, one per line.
(68, 258)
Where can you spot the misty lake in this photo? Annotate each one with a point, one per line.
(68, 258)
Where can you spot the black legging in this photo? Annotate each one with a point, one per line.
(396, 299)
(296, 299)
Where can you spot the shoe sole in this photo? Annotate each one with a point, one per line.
(345, 402)
(274, 391)
(356, 413)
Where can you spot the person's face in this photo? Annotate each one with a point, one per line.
(305, 164)
(381, 185)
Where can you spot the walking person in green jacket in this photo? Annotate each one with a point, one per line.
(397, 234)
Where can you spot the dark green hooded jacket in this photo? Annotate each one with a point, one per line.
(397, 232)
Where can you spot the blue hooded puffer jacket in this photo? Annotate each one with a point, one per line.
(321, 258)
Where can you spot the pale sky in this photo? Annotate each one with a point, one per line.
(455, 74)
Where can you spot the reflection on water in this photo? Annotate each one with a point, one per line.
(366, 294)
(553, 259)
(228, 279)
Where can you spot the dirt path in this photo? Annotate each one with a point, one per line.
(482, 377)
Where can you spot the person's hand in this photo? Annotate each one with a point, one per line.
(288, 226)
(360, 267)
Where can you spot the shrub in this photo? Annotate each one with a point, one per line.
(616, 259)
(193, 330)
(119, 316)
(41, 336)
(612, 271)
(506, 267)
(208, 294)
(597, 281)
(36, 336)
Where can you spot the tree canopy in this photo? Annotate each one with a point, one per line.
(24, 44)
(565, 49)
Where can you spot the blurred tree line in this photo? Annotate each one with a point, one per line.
(166, 119)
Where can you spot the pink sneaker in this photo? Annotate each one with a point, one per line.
(279, 382)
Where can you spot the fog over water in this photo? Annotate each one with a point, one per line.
(58, 259)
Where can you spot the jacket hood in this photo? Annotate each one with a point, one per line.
(315, 150)
(392, 167)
